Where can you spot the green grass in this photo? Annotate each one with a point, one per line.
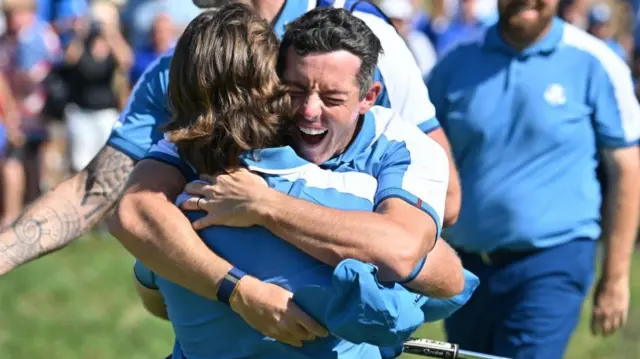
(79, 303)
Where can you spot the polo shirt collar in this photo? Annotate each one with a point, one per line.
(493, 40)
(277, 160)
(363, 140)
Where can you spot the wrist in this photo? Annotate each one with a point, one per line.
(246, 285)
(229, 284)
(265, 207)
(611, 276)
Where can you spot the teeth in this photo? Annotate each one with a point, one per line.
(312, 131)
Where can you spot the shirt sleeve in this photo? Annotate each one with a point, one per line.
(166, 152)
(616, 113)
(403, 88)
(144, 275)
(414, 169)
(139, 124)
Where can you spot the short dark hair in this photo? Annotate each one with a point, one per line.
(209, 4)
(328, 29)
(224, 94)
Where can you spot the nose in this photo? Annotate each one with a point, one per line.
(312, 107)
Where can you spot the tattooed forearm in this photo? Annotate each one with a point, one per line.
(41, 229)
(105, 180)
(66, 212)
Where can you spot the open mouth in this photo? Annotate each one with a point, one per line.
(312, 136)
(524, 8)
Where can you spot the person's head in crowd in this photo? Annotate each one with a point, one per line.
(523, 22)
(400, 13)
(225, 95)
(328, 58)
(105, 14)
(600, 16)
(19, 14)
(468, 11)
(163, 33)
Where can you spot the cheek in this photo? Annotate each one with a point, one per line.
(343, 121)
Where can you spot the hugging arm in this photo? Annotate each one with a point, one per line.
(66, 212)
(156, 232)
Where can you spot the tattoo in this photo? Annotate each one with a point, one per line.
(106, 178)
(68, 211)
(40, 230)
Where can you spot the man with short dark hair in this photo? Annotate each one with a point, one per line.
(327, 58)
(377, 198)
(74, 206)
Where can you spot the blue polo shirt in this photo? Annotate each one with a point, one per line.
(139, 125)
(389, 158)
(525, 130)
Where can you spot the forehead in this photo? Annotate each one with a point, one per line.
(333, 69)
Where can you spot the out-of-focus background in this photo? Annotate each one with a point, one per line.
(65, 77)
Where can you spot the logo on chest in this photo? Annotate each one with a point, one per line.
(555, 95)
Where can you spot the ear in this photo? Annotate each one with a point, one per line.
(370, 98)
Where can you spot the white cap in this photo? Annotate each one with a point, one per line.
(397, 9)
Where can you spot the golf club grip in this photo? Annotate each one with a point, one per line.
(431, 348)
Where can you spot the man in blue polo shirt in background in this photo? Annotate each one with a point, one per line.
(530, 107)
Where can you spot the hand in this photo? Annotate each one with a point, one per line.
(270, 310)
(230, 200)
(610, 306)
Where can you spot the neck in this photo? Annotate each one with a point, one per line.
(522, 43)
(269, 9)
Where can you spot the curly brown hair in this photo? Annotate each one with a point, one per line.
(224, 93)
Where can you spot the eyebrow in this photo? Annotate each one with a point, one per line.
(328, 92)
(335, 92)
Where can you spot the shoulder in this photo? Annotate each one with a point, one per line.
(155, 77)
(394, 133)
(381, 28)
(603, 56)
(468, 46)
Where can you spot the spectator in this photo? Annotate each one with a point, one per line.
(139, 15)
(530, 107)
(401, 13)
(600, 26)
(464, 25)
(30, 48)
(161, 39)
(93, 58)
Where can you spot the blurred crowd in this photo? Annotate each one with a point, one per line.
(430, 28)
(68, 66)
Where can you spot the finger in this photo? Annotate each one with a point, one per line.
(596, 322)
(209, 178)
(296, 331)
(308, 323)
(286, 339)
(284, 336)
(614, 323)
(307, 335)
(191, 204)
(197, 188)
(206, 221)
(607, 325)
